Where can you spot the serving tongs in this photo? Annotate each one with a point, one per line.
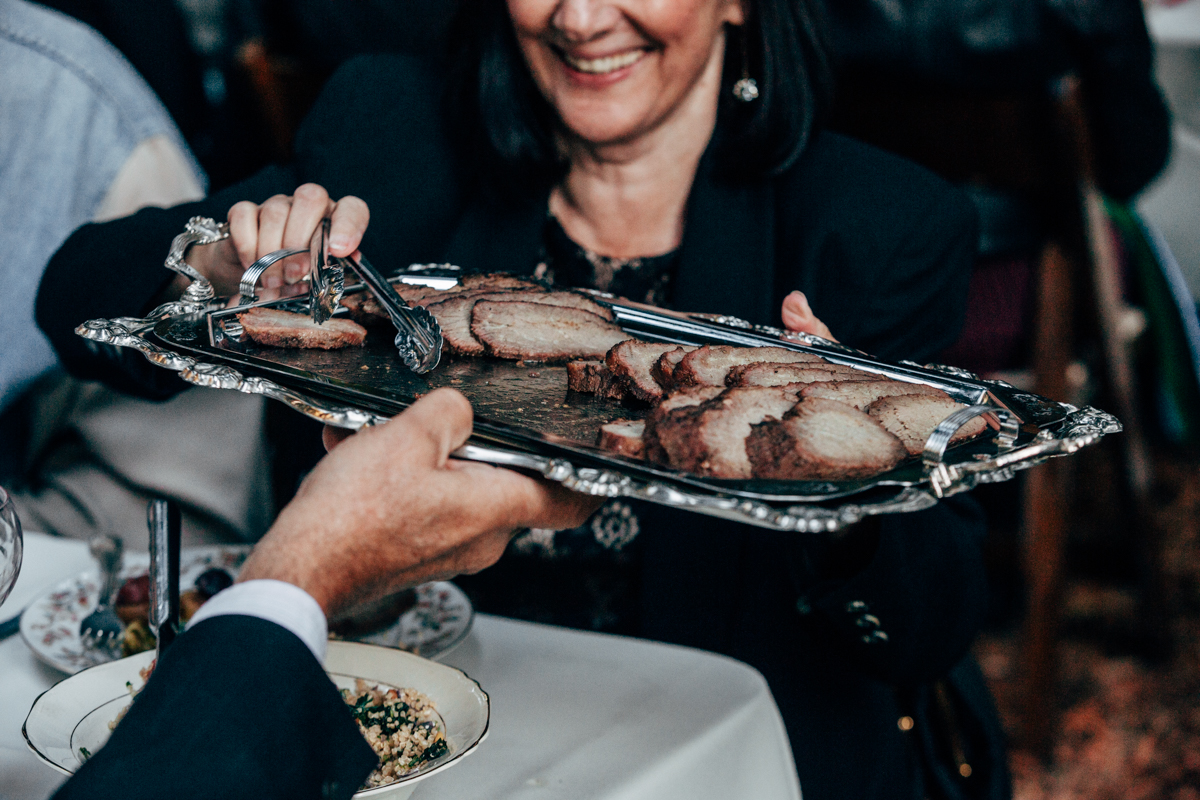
(418, 335)
(165, 523)
(326, 280)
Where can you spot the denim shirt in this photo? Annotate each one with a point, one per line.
(72, 110)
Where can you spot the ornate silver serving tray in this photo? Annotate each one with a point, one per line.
(526, 418)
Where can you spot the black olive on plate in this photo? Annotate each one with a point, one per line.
(212, 581)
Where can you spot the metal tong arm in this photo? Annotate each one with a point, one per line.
(246, 293)
(164, 521)
(427, 343)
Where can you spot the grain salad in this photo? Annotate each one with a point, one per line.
(401, 725)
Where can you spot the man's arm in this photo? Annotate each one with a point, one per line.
(239, 705)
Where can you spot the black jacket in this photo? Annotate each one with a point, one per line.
(237, 708)
(883, 250)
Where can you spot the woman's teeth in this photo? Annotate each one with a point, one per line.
(599, 66)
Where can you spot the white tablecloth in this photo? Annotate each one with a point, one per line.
(574, 715)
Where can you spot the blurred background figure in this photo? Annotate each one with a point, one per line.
(968, 88)
(85, 139)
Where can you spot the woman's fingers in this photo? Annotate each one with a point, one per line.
(349, 223)
(798, 316)
(272, 220)
(289, 222)
(243, 231)
(310, 205)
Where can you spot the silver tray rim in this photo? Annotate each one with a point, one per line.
(1061, 428)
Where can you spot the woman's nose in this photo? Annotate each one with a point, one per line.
(584, 20)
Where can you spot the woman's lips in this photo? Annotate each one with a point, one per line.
(605, 64)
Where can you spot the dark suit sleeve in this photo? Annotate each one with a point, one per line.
(115, 269)
(237, 708)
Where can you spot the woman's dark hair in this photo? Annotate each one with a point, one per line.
(504, 119)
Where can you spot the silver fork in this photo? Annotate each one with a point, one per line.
(101, 630)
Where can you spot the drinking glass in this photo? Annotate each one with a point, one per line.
(10, 545)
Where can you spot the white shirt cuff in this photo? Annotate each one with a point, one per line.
(285, 604)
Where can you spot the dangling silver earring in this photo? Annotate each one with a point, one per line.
(746, 88)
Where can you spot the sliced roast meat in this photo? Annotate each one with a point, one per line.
(913, 417)
(709, 365)
(536, 332)
(861, 394)
(711, 439)
(674, 406)
(497, 281)
(623, 436)
(632, 362)
(276, 328)
(665, 366)
(454, 313)
(585, 376)
(592, 377)
(822, 440)
(764, 374)
(366, 310)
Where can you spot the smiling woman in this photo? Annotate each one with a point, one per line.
(577, 45)
(619, 73)
(600, 143)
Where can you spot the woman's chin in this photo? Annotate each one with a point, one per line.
(599, 124)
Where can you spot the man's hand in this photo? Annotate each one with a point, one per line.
(388, 509)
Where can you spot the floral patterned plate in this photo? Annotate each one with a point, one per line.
(440, 620)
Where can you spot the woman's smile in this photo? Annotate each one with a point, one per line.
(603, 65)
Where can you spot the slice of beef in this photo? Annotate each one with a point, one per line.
(861, 394)
(666, 365)
(592, 377)
(276, 328)
(912, 418)
(413, 294)
(366, 309)
(822, 440)
(585, 376)
(710, 365)
(766, 374)
(563, 299)
(454, 313)
(536, 332)
(624, 436)
(497, 281)
(632, 363)
(677, 404)
(711, 440)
